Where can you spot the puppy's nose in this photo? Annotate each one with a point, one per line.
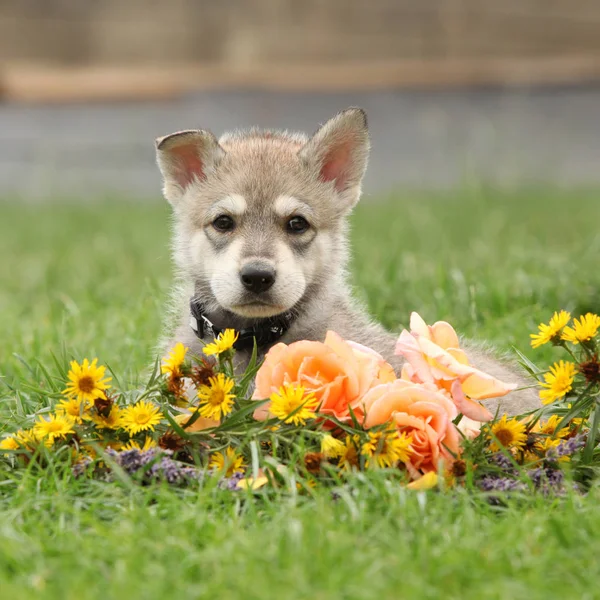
(257, 278)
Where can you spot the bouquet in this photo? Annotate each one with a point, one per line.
(315, 413)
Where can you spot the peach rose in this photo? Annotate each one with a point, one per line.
(434, 357)
(423, 413)
(339, 373)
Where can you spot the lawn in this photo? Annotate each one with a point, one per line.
(92, 279)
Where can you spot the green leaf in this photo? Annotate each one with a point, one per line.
(588, 451)
(530, 367)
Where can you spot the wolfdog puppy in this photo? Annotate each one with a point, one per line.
(261, 245)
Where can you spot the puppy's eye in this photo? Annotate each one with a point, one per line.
(224, 223)
(297, 225)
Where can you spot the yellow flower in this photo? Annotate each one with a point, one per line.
(216, 399)
(585, 328)
(87, 381)
(509, 434)
(349, 457)
(142, 416)
(550, 332)
(387, 448)
(133, 445)
(549, 427)
(222, 343)
(27, 438)
(229, 462)
(252, 484)
(558, 382)
(331, 447)
(114, 419)
(53, 428)
(9, 443)
(427, 482)
(293, 399)
(74, 408)
(171, 365)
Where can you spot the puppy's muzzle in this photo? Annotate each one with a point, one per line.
(257, 277)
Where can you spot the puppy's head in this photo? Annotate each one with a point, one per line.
(259, 216)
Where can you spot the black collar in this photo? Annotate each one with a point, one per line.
(266, 331)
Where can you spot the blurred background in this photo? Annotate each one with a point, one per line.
(456, 90)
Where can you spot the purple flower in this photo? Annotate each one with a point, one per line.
(566, 448)
(501, 484)
(230, 483)
(155, 464)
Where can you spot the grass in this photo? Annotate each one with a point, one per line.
(91, 279)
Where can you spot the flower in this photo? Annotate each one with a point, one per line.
(216, 399)
(199, 423)
(141, 416)
(27, 438)
(229, 462)
(469, 428)
(171, 365)
(75, 408)
(9, 443)
(388, 448)
(509, 434)
(222, 343)
(87, 381)
(113, 420)
(53, 428)
(293, 405)
(423, 414)
(349, 457)
(251, 483)
(549, 427)
(426, 482)
(337, 372)
(435, 358)
(558, 382)
(590, 369)
(584, 329)
(133, 445)
(550, 332)
(331, 447)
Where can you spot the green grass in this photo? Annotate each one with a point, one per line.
(91, 279)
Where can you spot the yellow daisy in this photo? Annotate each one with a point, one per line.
(349, 457)
(133, 445)
(54, 427)
(584, 329)
(171, 365)
(228, 462)
(222, 343)
(550, 332)
(331, 447)
(27, 438)
(293, 399)
(549, 427)
(558, 382)
(114, 419)
(216, 399)
(74, 408)
(142, 416)
(87, 381)
(387, 448)
(9, 443)
(509, 434)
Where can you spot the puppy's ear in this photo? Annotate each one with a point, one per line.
(339, 151)
(185, 157)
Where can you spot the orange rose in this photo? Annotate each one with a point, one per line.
(423, 413)
(337, 372)
(434, 357)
